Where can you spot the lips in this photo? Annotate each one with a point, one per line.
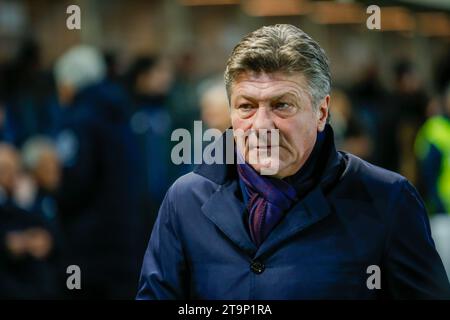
(263, 147)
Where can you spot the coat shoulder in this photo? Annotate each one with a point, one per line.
(192, 181)
(364, 181)
(371, 173)
(191, 190)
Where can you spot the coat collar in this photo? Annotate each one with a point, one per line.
(226, 210)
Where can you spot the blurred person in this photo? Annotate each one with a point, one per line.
(149, 80)
(9, 175)
(40, 159)
(442, 71)
(408, 87)
(349, 134)
(183, 97)
(29, 95)
(28, 255)
(4, 127)
(112, 65)
(215, 112)
(309, 230)
(3, 123)
(368, 96)
(97, 199)
(408, 103)
(432, 148)
(25, 191)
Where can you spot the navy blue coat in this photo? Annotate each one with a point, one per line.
(200, 248)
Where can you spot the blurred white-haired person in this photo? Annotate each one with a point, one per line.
(77, 69)
(28, 246)
(214, 106)
(40, 159)
(98, 198)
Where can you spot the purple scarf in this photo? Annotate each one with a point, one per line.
(269, 198)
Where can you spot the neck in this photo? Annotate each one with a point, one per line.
(309, 166)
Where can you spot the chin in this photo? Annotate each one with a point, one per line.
(272, 170)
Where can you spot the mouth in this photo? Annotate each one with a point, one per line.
(265, 151)
(264, 147)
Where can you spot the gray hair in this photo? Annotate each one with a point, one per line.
(214, 83)
(283, 48)
(80, 67)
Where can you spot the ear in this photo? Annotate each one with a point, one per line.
(322, 113)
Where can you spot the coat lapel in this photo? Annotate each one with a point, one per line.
(311, 209)
(225, 210)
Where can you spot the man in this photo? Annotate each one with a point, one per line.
(97, 200)
(29, 253)
(148, 81)
(312, 230)
(40, 159)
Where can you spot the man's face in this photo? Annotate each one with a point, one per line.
(48, 171)
(277, 101)
(9, 169)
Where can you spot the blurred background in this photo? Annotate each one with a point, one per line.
(86, 117)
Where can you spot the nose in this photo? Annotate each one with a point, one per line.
(263, 119)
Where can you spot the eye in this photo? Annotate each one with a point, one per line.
(245, 107)
(282, 106)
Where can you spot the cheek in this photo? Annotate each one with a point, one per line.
(239, 123)
(297, 133)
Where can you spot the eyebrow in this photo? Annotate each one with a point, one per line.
(277, 97)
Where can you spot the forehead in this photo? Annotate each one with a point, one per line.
(262, 86)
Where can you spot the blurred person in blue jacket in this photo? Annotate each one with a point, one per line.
(29, 96)
(97, 199)
(316, 228)
(29, 256)
(149, 80)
